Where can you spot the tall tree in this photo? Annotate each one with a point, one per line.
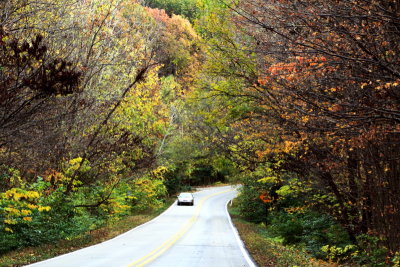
(323, 98)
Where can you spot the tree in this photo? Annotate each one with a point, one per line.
(92, 94)
(322, 99)
(186, 8)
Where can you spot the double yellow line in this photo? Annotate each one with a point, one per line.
(173, 239)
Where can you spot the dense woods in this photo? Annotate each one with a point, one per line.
(86, 92)
(108, 107)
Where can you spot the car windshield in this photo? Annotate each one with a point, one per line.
(185, 195)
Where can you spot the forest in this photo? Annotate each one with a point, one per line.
(110, 107)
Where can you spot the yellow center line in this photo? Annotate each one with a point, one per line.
(151, 256)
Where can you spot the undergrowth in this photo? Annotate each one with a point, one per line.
(30, 255)
(267, 250)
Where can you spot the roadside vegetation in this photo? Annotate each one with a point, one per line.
(24, 256)
(108, 108)
(268, 250)
(283, 237)
(89, 93)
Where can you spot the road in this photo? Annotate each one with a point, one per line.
(197, 236)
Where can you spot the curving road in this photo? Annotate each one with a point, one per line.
(199, 235)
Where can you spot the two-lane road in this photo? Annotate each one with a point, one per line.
(199, 235)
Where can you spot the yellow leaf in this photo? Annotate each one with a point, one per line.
(9, 221)
(31, 206)
(25, 212)
(47, 208)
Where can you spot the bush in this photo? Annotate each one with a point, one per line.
(20, 209)
(250, 206)
(147, 194)
(396, 259)
(287, 226)
(338, 254)
(44, 212)
(370, 252)
(30, 218)
(310, 229)
(8, 241)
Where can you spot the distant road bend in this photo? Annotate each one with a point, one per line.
(183, 236)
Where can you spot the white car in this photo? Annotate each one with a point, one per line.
(185, 198)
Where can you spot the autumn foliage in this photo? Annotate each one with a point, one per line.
(85, 95)
(330, 71)
(310, 89)
(297, 100)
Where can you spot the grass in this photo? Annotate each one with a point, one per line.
(30, 255)
(267, 251)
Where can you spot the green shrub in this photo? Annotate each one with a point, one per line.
(370, 252)
(176, 180)
(309, 229)
(250, 206)
(396, 259)
(30, 217)
(287, 226)
(338, 254)
(185, 188)
(8, 241)
(173, 183)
